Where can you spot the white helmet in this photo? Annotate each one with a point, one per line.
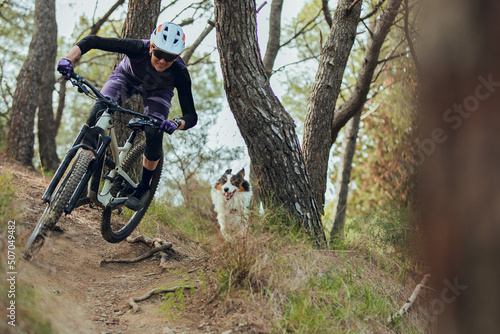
(168, 37)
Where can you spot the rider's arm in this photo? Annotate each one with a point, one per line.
(130, 47)
(183, 84)
(73, 54)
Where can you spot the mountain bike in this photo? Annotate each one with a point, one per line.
(109, 168)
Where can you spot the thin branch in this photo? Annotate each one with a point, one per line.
(295, 63)
(374, 11)
(96, 26)
(409, 38)
(261, 6)
(301, 31)
(410, 300)
(327, 13)
(352, 5)
(383, 61)
(189, 51)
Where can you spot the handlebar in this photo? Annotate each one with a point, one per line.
(84, 86)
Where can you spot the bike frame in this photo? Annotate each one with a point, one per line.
(118, 154)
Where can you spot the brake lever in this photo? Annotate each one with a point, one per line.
(81, 87)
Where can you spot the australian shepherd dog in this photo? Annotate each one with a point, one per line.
(231, 197)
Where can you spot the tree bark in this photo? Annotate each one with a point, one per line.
(344, 176)
(358, 98)
(318, 135)
(354, 106)
(46, 125)
(273, 42)
(21, 138)
(266, 127)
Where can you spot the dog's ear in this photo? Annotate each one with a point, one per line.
(242, 172)
(229, 171)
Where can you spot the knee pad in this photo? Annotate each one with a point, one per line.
(154, 141)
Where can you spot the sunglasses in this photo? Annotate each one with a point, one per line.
(168, 57)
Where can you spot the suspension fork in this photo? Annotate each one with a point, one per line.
(70, 154)
(98, 156)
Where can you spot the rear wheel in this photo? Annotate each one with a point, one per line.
(118, 224)
(58, 201)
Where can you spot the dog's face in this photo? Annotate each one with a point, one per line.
(229, 184)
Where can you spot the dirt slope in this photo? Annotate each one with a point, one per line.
(78, 296)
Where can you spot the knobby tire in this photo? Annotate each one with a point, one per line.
(58, 201)
(111, 230)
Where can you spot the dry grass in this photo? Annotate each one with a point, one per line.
(308, 290)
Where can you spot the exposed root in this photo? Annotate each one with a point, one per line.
(139, 258)
(133, 301)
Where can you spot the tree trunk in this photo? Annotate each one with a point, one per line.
(273, 43)
(353, 107)
(358, 98)
(344, 176)
(46, 125)
(318, 136)
(21, 138)
(460, 149)
(268, 130)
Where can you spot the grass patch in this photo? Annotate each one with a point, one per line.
(177, 218)
(311, 290)
(29, 317)
(7, 192)
(174, 303)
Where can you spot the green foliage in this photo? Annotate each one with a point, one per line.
(390, 231)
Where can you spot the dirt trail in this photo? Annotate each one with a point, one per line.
(82, 297)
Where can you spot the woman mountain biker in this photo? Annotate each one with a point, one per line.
(151, 68)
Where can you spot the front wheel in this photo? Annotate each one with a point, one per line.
(58, 201)
(117, 225)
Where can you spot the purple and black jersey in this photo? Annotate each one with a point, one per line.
(135, 75)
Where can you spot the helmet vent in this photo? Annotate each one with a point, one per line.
(169, 38)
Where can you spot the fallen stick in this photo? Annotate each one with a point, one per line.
(133, 301)
(406, 306)
(139, 258)
(148, 241)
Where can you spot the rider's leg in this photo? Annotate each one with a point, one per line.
(152, 155)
